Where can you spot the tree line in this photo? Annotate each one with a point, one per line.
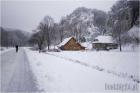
(123, 16)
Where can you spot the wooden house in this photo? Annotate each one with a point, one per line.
(70, 44)
(104, 43)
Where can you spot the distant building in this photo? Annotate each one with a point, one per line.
(70, 44)
(104, 43)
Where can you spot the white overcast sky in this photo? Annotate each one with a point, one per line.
(26, 14)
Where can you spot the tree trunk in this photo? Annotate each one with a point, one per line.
(48, 47)
(61, 35)
(61, 38)
(120, 45)
(39, 45)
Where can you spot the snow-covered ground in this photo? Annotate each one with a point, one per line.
(129, 48)
(5, 49)
(84, 71)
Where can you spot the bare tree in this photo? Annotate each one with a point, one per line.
(61, 28)
(120, 21)
(37, 38)
(61, 31)
(43, 34)
(55, 34)
(46, 27)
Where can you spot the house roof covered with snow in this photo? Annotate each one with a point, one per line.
(65, 41)
(87, 45)
(103, 39)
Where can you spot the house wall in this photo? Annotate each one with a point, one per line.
(104, 46)
(99, 46)
(72, 45)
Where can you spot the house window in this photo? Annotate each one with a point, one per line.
(96, 40)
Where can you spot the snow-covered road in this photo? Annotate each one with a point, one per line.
(16, 75)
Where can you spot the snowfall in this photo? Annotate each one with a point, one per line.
(85, 71)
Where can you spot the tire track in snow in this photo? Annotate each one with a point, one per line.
(119, 74)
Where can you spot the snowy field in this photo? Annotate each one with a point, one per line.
(84, 71)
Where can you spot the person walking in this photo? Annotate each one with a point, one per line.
(16, 48)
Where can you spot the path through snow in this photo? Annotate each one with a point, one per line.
(16, 75)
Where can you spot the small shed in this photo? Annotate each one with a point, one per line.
(104, 43)
(70, 44)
